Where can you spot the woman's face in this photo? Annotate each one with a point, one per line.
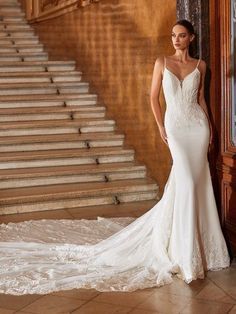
(180, 37)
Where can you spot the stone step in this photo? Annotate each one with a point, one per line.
(71, 174)
(56, 127)
(31, 56)
(76, 195)
(44, 88)
(31, 101)
(14, 26)
(15, 23)
(52, 116)
(34, 66)
(29, 32)
(45, 110)
(10, 6)
(43, 77)
(8, 13)
(21, 48)
(128, 209)
(58, 149)
(9, 3)
(62, 141)
(12, 19)
(6, 10)
(19, 40)
(13, 52)
(51, 113)
(32, 159)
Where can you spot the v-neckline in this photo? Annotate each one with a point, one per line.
(181, 81)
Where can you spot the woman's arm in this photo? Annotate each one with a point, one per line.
(201, 100)
(154, 97)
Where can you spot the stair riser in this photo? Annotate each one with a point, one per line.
(4, 50)
(66, 161)
(9, 34)
(46, 79)
(9, 4)
(13, 19)
(35, 49)
(6, 15)
(10, 9)
(33, 69)
(52, 116)
(72, 179)
(33, 58)
(47, 104)
(18, 41)
(90, 129)
(64, 204)
(42, 91)
(12, 27)
(66, 145)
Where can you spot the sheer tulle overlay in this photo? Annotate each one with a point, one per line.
(180, 235)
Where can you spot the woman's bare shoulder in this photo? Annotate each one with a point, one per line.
(202, 66)
(159, 63)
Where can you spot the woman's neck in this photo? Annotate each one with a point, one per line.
(182, 55)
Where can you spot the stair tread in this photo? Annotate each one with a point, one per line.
(21, 38)
(23, 54)
(73, 189)
(9, 31)
(40, 63)
(54, 123)
(68, 170)
(27, 139)
(41, 85)
(70, 96)
(22, 46)
(130, 209)
(37, 74)
(42, 110)
(24, 22)
(38, 168)
(64, 153)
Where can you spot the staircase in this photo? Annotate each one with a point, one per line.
(58, 150)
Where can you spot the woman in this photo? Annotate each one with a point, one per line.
(180, 235)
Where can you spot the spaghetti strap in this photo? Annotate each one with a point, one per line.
(164, 65)
(198, 63)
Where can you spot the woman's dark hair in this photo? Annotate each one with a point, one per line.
(188, 25)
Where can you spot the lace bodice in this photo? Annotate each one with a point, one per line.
(182, 98)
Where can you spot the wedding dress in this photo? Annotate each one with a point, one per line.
(180, 235)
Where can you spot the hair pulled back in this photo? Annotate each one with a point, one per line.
(188, 25)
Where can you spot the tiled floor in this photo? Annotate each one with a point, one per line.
(216, 294)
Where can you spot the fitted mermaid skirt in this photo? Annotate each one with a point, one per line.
(180, 235)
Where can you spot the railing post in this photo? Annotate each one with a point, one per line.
(36, 8)
(28, 8)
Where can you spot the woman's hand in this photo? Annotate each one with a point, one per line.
(163, 135)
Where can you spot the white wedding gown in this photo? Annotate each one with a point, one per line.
(180, 235)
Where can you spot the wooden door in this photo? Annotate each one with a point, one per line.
(226, 81)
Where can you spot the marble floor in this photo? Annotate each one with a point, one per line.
(216, 294)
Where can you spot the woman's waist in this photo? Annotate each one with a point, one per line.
(185, 114)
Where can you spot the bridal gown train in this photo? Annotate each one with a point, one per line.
(180, 235)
